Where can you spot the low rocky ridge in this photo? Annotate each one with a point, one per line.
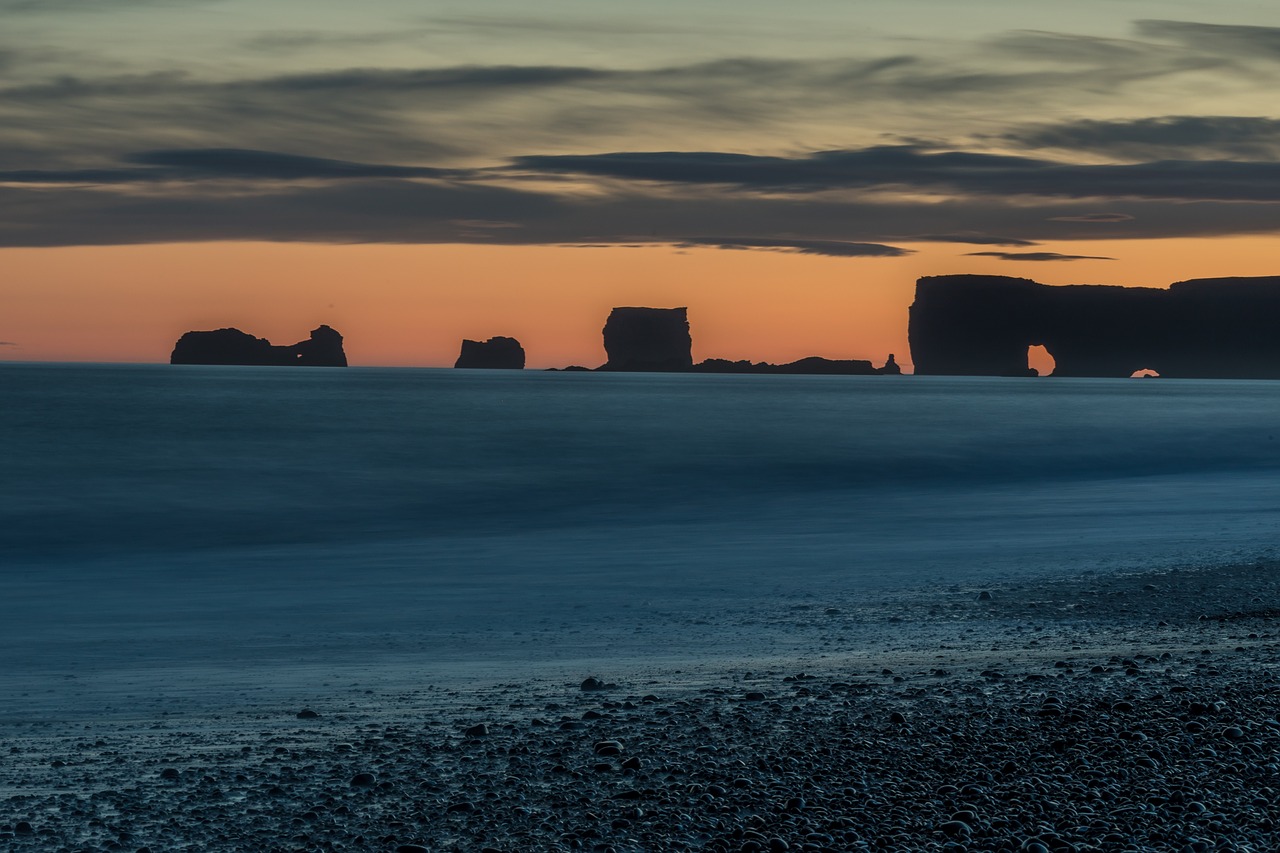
(1106, 712)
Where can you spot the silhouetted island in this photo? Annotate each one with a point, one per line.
(497, 353)
(232, 346)
(658, 340)
(1210, 328)
(648, 339)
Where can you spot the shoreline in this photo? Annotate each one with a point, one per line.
(1109, 712)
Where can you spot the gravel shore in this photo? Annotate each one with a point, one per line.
(1104, 712)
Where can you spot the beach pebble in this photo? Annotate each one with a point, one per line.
(363, 780)
(478, 730)
(170, 773)
(608, 748)
(307, 714)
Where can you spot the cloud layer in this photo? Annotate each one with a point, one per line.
(921, 143)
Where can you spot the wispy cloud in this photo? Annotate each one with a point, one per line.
(221, 163)
(1093, 217)
(1037, 256)
(973, 239)
(49, 7)
(829, 248)
(1161, 136)
(1227, 39)
(908, 167)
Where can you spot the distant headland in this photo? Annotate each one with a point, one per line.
(232, 346)
(1209, 328)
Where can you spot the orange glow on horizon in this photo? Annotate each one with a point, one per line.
(402, 305)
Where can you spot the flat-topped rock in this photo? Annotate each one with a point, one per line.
(648, 339)
(498, 353)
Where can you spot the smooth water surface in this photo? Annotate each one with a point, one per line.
(242, 519)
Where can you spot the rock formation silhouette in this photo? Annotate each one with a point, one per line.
(890, 368)
(813, 365)
(1213, 328)
(650, 339)
(232, 346)
(494, 354)
(658, 339)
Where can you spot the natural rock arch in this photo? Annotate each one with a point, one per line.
(1206, 328)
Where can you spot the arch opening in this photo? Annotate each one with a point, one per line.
(1145, 373)
(1040, 360)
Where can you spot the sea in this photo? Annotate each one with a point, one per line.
(171, 536)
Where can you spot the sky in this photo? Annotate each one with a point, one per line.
(415, 173)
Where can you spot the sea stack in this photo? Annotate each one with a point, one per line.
(648, 339)
(494, 354)
(891, 367)
(232, 346)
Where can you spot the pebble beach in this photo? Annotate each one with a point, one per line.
(1114, 712)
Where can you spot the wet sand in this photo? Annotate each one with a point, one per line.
(1100, 712)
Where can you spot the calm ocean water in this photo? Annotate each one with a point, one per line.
(194, 515)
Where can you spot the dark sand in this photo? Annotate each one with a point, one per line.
(1105, 712)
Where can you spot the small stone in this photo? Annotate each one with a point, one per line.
(363, 780)
(22, 827)
(956, 829)
(593, 683)
(464, 806)
(308, 714)
(755, 696)
(632, 763)
(897, 718)
(984, 596)
(169, 773)
(479, 730)
(411, 848)
(608, 748)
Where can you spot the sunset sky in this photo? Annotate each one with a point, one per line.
(414, 173)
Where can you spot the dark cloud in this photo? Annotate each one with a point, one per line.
(829, 248)
(241, 163)
(1093, 217)
(1186, 136)
(973, 239)
(1036, 256)
(211, 163)
(948, 172)
(394, 210)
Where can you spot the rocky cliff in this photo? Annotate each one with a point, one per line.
(1205, 328)
(232, 346)
(494, 354)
